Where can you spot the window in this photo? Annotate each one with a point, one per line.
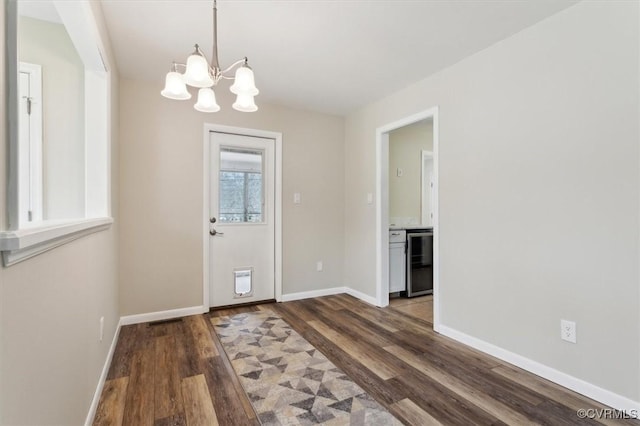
(241, 186)
(58, 115)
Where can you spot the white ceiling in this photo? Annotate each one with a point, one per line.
(331, 56)
(39, 9)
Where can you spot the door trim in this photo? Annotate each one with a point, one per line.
(382, 210)
(206, 196)
(426, 155)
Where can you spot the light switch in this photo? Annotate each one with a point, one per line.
(297, 199)
(399, 172)
(369, 198)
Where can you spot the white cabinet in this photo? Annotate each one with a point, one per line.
(397, 261)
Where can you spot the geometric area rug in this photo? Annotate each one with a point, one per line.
(287, 380)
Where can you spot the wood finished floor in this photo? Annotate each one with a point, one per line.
(177, 373)
(418, 307)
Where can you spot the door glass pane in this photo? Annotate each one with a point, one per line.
(241, 185)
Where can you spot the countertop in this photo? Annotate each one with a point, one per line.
(408, 227)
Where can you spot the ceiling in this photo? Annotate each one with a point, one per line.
(331, 56)
(43, 10)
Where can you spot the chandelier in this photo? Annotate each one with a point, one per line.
(199, 73)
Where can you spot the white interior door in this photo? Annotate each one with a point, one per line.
(242, 219)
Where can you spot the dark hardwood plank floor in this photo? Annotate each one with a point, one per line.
(176, 373)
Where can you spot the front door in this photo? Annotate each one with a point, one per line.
(242, 219)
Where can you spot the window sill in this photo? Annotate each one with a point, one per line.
(23, 244)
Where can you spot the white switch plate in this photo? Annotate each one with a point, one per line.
(297, 199)
(319, 266)
(101, 328)
(369, 198)
(568, 331)
(399, 172)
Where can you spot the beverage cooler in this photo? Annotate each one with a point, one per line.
(419, 262)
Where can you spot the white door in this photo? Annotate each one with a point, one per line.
(242, 219)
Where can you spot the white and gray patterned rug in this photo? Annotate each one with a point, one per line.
(288, 381)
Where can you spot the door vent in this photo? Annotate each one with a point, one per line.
(167, 321)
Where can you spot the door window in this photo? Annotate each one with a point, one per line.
(241, 186)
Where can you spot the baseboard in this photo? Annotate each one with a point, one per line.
(329, 292)
(103, 378)
(313, 293)
(163, 315)
(359, 295)
(590, 390)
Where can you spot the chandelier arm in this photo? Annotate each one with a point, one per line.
(235, 64)
(215, 76)
(201, 52)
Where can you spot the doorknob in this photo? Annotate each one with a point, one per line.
(213, 220)
(214, 232)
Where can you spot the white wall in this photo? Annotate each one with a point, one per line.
(405, 152)
(48, 44)
(3, 188)
(161, 171)
(539, 216)
(50, 307)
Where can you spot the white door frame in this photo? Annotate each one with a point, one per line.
(30, 188)
(277, 137)
(426, 155)
(382, 210)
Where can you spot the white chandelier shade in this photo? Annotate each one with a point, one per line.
(207, 101)
(244, 83)
(197, 71)
(174, 87)
(201, 74)
(245, 103)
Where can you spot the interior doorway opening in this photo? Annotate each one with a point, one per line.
(383, 212)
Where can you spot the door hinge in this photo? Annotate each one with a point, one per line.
(29, 102)
(30, 215)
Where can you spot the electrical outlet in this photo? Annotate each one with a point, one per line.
(568, 331)
(101, 328)
(319, 266)
(297, 198)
